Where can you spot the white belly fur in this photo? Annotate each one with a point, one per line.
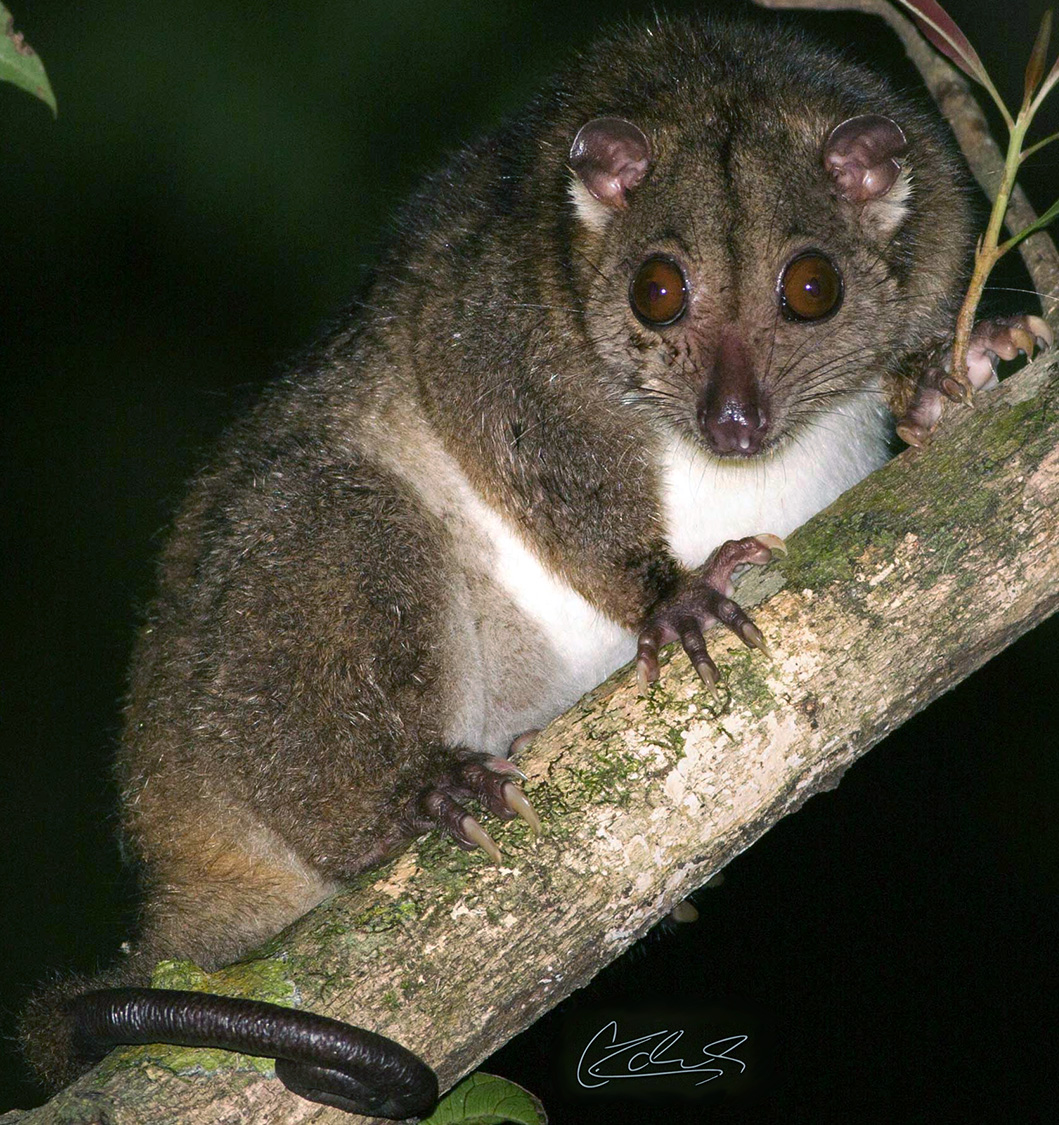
(707, 500)
(529, 645)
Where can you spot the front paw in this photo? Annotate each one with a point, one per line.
(1002, 337)
(704, 599)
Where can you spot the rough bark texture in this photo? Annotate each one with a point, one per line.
(903, 587)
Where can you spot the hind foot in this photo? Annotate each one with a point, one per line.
(482, 777)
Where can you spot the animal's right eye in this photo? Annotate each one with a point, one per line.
(658, 292)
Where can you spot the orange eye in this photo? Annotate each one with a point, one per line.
(658, 293)
(810, 287)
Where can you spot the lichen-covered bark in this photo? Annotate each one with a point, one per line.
(903, 587)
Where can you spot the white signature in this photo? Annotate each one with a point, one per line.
(645, 1057)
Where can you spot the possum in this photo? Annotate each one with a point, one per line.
(613, 352)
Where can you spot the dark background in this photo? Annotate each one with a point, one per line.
(218, 179)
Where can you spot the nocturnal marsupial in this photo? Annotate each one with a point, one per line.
(613, 351)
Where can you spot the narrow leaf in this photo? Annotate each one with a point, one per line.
(1028, 152)
(1035, 67)
(942, 30)
(1048, 217)
(20, 64)
(1049, 82)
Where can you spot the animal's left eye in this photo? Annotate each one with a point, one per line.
(658, 292)
(810, 287)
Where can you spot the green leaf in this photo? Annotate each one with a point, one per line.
(1048, 217)
(484, 1099)
(1046, 87)
(20, 64)
(944, 33)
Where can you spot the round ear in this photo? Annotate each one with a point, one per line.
(861, 156)
(610, 156)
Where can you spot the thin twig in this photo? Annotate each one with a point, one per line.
(953, 95)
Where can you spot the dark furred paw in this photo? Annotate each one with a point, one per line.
(703, 600)
(489, 780)
(1002, 337)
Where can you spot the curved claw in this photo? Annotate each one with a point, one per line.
(502, 765)
(643, 681)
(911, 433)
(1042, 330)
(695, 646)
(773, 542)
(685, 912)
(956, 389)
(651, 639)
(1024, 335)
(478, 836)
(517, 801)
(520, 743)
(709, 675)
(752, 637)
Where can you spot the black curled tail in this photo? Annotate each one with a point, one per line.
(319, 1058)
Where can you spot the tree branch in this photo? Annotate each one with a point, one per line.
(903, 587)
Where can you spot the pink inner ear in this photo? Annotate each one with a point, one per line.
(610, 156)
(861, 156)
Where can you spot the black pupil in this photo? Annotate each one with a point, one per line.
(811, 287)
(657, 292)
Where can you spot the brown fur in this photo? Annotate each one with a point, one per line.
(323, 617)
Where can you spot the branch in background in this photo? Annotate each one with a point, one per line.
(950, 90)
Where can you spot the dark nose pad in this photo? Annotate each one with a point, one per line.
(733, 410)
(732, 426)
